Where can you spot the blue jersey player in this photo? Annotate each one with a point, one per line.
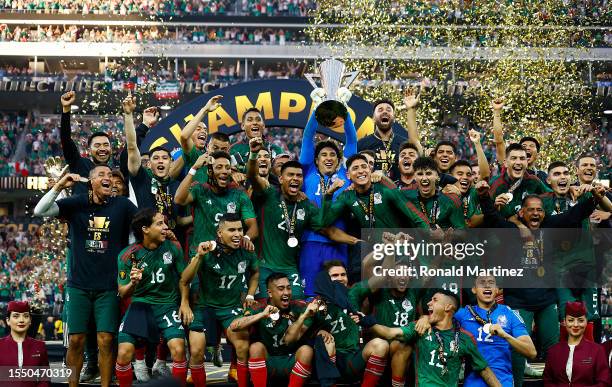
(323, 164)
(497, 329)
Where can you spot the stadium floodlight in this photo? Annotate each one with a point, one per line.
(165, 107)
(608, 112)
(74, 107)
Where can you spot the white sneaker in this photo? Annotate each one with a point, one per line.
(141, 371)
(161, 369)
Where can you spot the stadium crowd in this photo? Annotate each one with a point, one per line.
(268, 252)
(154, 34)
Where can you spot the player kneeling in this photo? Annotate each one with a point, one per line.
(149, 272)
(222, 267)
(277, 350)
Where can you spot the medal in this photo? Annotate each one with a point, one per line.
(509, 196)
(487, 328)
(541, 271)
(275, 316)
(213, 245)
(292, 242)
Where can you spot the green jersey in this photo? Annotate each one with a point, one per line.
(223, 277)
(190, 158)
(271, 333)
(441, 209)
(274, 234)
(388, 309)
(429, 368)
(377, 208)
(210, 206)
(240, 153)
(162, 270)
(470, 205)
(530, 184)
(341, 326)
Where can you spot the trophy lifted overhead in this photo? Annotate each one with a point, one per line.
(332, 95)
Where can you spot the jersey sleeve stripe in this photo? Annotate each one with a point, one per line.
(418, 213)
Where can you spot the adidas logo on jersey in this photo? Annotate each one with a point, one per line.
(355, 204)
(217, 267)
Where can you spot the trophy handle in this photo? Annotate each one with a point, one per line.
(311, 79)
(351, 78)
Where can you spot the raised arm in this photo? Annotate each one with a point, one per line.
(296, 330)
(135, 278)
(47, 206)
(187, 132)
(498, 130)
(182, 196)
(308, 145)
(411, 100)
(257, 182)
(134, 163)
(483, 164)
(250, 320)
(69, 148)
(350, 137)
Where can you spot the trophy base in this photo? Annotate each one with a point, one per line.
(328, 112)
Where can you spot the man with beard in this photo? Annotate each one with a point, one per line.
(440, 352)
(407, 154)
(514, 183)
(99, 229)
(98, 143)
(374, 205)
(383, 142)
(539, 305)
(149, 271)
(532, 147)
(443, 210)
(253, 126)
(322, 165)
(226, 268)
(193, 141)
(153, 187)
(284, 217)
(271, 356)
(498, 331)
(472, 214)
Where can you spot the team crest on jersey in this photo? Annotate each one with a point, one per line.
(231, 208)
(242, 267)
(502, 320)
(407, 305)
(167, 258)
(377, 198)
(301, 214)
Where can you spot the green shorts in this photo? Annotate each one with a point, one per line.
(296, 281)
(279, 367)
(168, 322)
(81, 304)
(351, 365)
(205, 318)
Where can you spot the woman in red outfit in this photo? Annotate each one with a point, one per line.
(577, 362)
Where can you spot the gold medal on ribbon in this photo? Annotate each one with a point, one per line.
(541, 271)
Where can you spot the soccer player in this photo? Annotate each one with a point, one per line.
(407, 155)
(271, 357)
(278, 161)
(514, 182)
(439, 209)
(254, 126)
(383, 142)
(533, 303)
(153, 187)
(444, 154)
(392, 307)
(322, 165)
(498, 331)
(353, 362)
(472, 214)
(193, 140)
(99, 143)
(532, 147)
(215, 198)
(223, 267)
(149, 273)
(284, 218)
(99, 229)
(374, 205)
(439, 353)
